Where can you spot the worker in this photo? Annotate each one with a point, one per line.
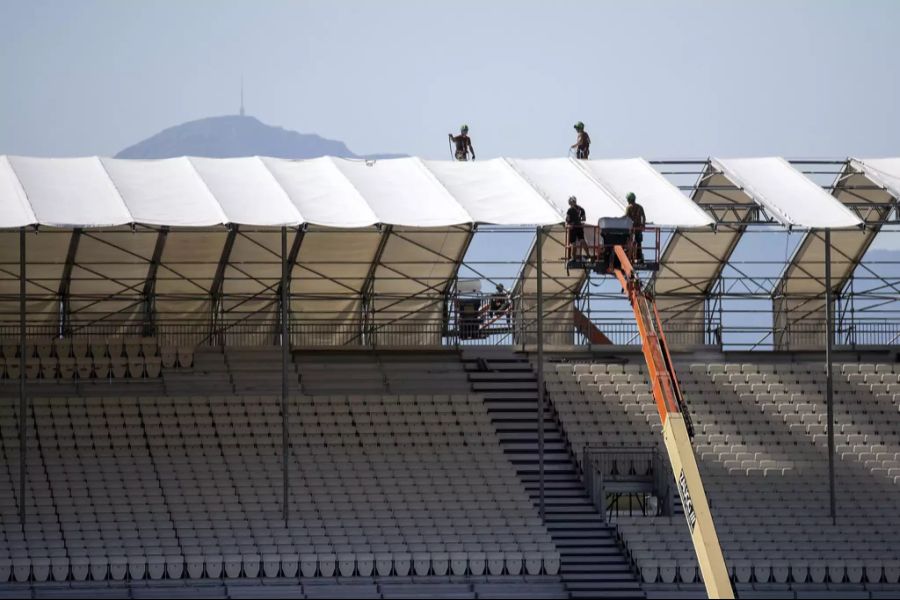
(500, 304)
(575, 218)
(582, 145)
(463, 144)
(635, 212)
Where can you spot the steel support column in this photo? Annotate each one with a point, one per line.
(65, 283)
(829, 375)
(540, 366)
(367, 291)
(148, 295)
(218, 282)
(23, 402)
(285, 351)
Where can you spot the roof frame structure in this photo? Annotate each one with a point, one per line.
(465, 188)
(149, 291)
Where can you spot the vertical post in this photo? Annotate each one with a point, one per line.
(829, 375)
(285, 351)
(23, 402)
(540, 366)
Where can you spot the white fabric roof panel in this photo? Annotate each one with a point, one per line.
(90, 192)
(321, 193)
(558, 178)
(491, 191)
(67, 192)
(662, 201)
(403, 192)
(15, 207)
(786, 193)
(247, 191)
(883, 171)
(164, 192)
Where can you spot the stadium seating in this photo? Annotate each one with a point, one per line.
(93, 358)
(184, 487)
(761, 444)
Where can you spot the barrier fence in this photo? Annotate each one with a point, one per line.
(437, 332)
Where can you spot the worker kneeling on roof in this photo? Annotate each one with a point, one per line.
(635, 212)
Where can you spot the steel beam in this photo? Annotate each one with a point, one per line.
(218, 282)
(215, 289)
(65, 281)
(367, 290)
(829, 374)
(540, 368)
(285, 354)
(148, 294)
(23, 401)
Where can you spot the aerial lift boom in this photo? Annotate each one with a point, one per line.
(611, 253)
(675, 427)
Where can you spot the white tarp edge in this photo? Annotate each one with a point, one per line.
(67, 192)
(93, 192)
(787, 194)
(16, 211)
(662, 201)
(882, 171)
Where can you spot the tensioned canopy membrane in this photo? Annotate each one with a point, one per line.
(95, 192)
(395, 230)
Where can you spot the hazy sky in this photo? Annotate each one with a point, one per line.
(658, 79)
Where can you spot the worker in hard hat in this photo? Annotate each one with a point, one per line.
(635, 212)
(575, 218)
(463, 144)
(582, 145)
(500, 304)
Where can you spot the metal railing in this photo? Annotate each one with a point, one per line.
(450, 328)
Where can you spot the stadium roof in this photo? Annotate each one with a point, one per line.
(95, 192)
(394, 231)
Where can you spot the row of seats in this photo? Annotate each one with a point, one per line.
(761, 443)
(233, 566)
(417, 482)
(93, 347)
(82, 368)
(63, 358)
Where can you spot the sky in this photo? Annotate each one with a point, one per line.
(657, 79)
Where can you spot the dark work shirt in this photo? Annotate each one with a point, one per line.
(575, 216)
(635, 212)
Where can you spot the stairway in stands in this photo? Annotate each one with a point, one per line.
(593, 565)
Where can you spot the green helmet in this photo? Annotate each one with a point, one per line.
(579, 125)
(631, 197)
(464, 129)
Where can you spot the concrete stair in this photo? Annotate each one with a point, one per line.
(593, 565)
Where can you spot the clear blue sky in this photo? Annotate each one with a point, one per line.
(658, 79)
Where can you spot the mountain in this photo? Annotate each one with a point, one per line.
(237, 135)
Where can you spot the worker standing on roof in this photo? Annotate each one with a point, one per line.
(463, 144)
(575, 218)
(582, 145)
(635, 212)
